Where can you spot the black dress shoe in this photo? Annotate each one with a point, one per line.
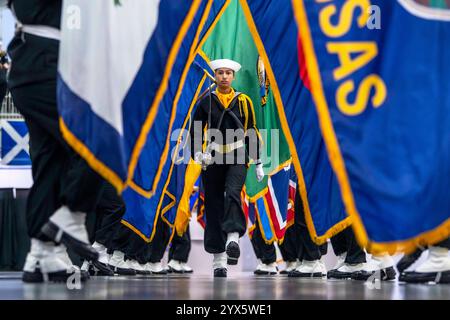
(424, 277)
(220, 273)
(85, 275)
(408, 260)
(173, 270)
(335, 274)
(160, 272)
(385, 274)
(55, 233)
(143, 272)
(265, 273)
(60, 276)
(123, 271)
(233, 253)
(297, 274)
(101, 269)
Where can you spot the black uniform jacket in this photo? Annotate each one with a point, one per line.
(234, 117)
(29, 52)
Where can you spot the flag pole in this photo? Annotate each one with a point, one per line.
(205, 92)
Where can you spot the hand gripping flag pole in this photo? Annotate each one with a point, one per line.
(208, 138)
(212, 83)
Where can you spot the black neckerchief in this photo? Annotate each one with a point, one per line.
(225, 110)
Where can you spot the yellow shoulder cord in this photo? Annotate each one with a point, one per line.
(245, 106)
(240, 107)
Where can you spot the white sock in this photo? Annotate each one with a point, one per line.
(232, 236)
(98, 246)
(73, 223)
(220, 260)
(39, 247)
(64, 216)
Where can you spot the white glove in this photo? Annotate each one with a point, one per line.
(198, 157)
(207, 158)
(259, 172)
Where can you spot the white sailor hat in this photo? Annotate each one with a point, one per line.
(225, 63)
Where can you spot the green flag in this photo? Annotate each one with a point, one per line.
(231, 39)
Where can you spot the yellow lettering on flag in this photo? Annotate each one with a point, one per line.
(366, 52)
(372, 81)
(345, 18)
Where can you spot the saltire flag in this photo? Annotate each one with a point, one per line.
(282, 54)
(142, 212)
(14, 143)
(383, 103)
(111, 84)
